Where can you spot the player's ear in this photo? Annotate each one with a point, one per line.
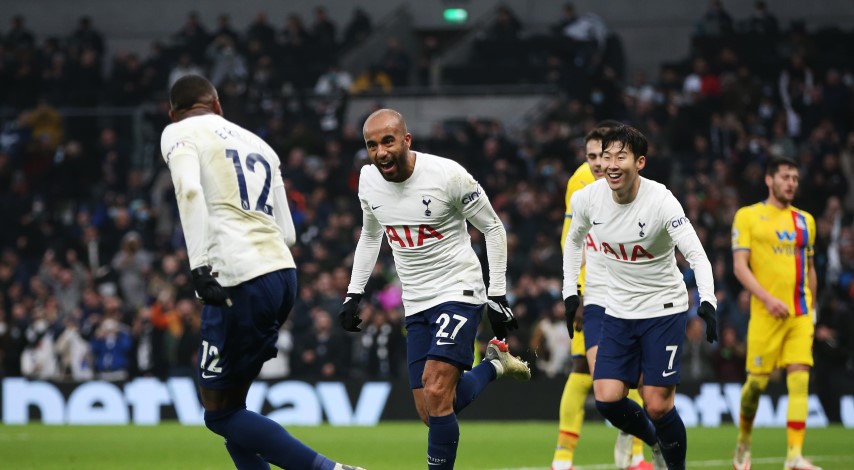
(172, 116)
(217, 107)
(407, 140)
(641, 161)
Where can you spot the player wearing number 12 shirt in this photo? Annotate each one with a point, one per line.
(420, 203)
(237, 227)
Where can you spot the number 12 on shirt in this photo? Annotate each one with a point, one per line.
(251, 160)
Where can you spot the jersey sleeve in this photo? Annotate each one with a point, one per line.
(810, 249)
(741, 230)
(182, 158)
(175, 141)
(674, 219)
(465, 192)
(572, 254)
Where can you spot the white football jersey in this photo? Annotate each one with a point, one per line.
(424, 220)
(636, 243)
(238, 172)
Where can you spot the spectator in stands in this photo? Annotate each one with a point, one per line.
(38, 359)
(323, 30)
(295, 33)
(550, 341)
(127, 84)
(590, 33)
(505, 27)
(132, 264)
(697, 354)
(358, 28)
(185, 66)
(716, 21)
(87, 37)
(324, 353)
(372, 80)
(192, 38)
(19, 37)
(224, 29)
(261, 31)
(334, 82)
(73, 352)
(762, 21)
(795, 86)
(112, 350)
(227, 63)
(728, 359)
(395, 62)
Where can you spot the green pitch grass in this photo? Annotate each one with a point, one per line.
(390, 446)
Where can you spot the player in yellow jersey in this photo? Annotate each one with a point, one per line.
(772, 244)
(628, 452)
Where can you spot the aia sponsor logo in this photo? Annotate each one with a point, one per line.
(411, 237)
(620, 251)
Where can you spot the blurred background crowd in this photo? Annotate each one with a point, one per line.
(94, 280)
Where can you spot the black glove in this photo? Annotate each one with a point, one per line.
(207, 289)
(348, 316)
(500, 317)
(571, 304)
(707, 313)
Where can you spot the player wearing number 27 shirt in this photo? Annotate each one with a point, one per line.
(237, 226)
(638, 223)
(420, 203)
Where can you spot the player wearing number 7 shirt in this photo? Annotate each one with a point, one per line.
(421, 203)
(237, 227)
(637, 223)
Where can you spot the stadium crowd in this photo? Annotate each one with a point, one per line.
(94, 279)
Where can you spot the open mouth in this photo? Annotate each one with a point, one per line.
(387, 167)
(615, 177)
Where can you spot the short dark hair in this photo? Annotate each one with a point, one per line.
(602, 128)
(775, 163)
(609, 123)
(190, 90)
(626, 136)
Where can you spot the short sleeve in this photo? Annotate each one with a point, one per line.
(810, 249)
(741, 230)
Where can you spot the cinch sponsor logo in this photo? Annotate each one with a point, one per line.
(470, 197)
(679, 221)
(424, 232)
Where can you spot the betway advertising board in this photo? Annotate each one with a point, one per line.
(149, 401)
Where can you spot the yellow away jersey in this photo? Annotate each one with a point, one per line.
(781, 242)
(581, 178)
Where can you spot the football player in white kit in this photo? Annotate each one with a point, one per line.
(237, 225)
(637, 223)
(421, 203)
